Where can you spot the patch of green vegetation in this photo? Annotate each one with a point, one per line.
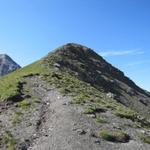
(89, 110)
(144, 122)
(36, 100)
(68, 84)
(29, 124)
(79, 99)
(28, 103)
(24, 104)
(128, 113)
(101, 120)
(125, 112)
(9, 141)
(145, 139)
(94, 108)
(114, 136)
(135, 125)
(17, 117)
(131, 125)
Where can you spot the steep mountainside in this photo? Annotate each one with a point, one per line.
(7, 65)
(87, 66)
(73, 99)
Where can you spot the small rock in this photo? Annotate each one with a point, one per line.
(46, 135)
(47, 103)
(97, 141)
(110, 95)
(38, 123)
(93, 135)
(116, 126)
(98, 71)
(81, 131)
(64, 103)
(56, 65)
(23, 147)
(88, 130)
(143, 131)
(76, 73)
(16, 105)
(74, 129)
(91, 115)
(50, 129)
(74, 124)
(27, 140)
(56, 68)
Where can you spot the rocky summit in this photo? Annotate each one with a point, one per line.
(7, 65)
(72, 99)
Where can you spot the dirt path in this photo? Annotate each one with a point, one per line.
(64, 126)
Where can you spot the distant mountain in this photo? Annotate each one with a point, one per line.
(7, 65)
(73, 99)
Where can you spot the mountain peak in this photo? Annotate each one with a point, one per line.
(75, 48)
(76, 52)
(3, 55)
(7, 65)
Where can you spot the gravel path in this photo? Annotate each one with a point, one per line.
(65, 127)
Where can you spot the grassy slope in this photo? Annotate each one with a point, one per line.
(9, 84)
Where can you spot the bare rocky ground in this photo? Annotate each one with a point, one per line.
(54, 123)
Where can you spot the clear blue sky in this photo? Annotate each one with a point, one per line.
(117, 29)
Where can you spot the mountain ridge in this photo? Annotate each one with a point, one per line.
(72, 99)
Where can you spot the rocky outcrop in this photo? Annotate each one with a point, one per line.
(7, 65)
